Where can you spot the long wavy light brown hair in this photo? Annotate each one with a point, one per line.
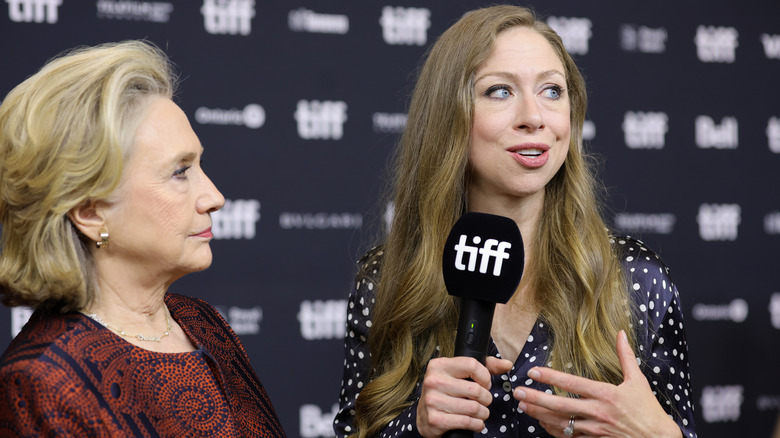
(65, 133)
(579, 287)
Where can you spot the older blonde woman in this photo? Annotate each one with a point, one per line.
(104, 205)
(495, 126)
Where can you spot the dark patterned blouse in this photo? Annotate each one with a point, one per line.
(67, 375)
(662, 350)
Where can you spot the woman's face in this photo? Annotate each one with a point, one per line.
(159, 217)
(521, 125)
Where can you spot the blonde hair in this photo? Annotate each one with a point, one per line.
(65, 133)
(580, 288)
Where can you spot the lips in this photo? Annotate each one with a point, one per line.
(530, 155)
(205, 233)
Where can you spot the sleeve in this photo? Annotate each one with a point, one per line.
(662, 345)
(357, 360)
(40, 400)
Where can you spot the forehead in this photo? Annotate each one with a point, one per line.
(523, 46)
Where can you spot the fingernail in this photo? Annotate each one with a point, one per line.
(520, 394)
(522, 406)
(533, 373)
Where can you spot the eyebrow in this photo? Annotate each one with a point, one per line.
(187, 156)
(509, 75)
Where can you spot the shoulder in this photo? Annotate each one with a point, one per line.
(638, 260)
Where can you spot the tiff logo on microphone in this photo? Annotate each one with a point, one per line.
(492, 248)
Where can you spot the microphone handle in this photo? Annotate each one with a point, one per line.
(474, 322)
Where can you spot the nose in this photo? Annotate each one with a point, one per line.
(529, 115)
(211, 198)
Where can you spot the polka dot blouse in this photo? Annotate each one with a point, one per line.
(662, 351)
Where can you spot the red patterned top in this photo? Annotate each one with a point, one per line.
(67, 375)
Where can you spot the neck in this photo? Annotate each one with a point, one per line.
(525, 211)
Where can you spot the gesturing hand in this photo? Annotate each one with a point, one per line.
(449, 401)
(603, 410)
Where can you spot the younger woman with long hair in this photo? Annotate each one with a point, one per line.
(495, 126)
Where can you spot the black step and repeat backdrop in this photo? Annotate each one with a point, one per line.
(300, 103)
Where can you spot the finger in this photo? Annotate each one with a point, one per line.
(567, 382)
(536, 402)
(441, 422)
(448, 386)
(461, 368)
(628, 362)
(498, 366)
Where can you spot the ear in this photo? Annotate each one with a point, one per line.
(88, 218)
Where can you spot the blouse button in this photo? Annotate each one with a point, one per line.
(507, 386)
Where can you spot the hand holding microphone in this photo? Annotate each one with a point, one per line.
(482, 265)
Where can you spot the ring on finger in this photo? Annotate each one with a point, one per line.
(569, 430)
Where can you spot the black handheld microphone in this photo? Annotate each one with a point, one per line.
(482, 264)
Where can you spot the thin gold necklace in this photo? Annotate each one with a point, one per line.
(139, 336)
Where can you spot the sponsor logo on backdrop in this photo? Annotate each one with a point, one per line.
(774, 310)
(658, 223)
(304, 20)
(716, 44)
(33, 11)
(735, 311)
(642, 39)
(389, 122)
(769, 402)
(575, 33)
(405, 26)
(772, 223)
(320, 221)
(773, 134)
(321, 119)
(721, 403)
(231, 17)
(315, 423)
(588, 130)
(719, 221)
(251, 116)
(719, 136)
(771, 45)
(236, 220)
(645, 130)
(322, 319)
(19, 317)
(243, 321)
(157, 12)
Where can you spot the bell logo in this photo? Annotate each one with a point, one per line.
(33, 11)
(773, 134)
(645, 130)
(774, 309)
(721, 403)
(719, 221)
(492, 248)
(575, 33)
(716, 44)
(321, 120)
(711, 135)
(405, 26)
(642, 39)
(230, 17)
(315, 423)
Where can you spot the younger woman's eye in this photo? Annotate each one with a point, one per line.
(498, 92)
(554, 92)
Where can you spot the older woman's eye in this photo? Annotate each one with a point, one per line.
(498, 92)
(181, 172)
